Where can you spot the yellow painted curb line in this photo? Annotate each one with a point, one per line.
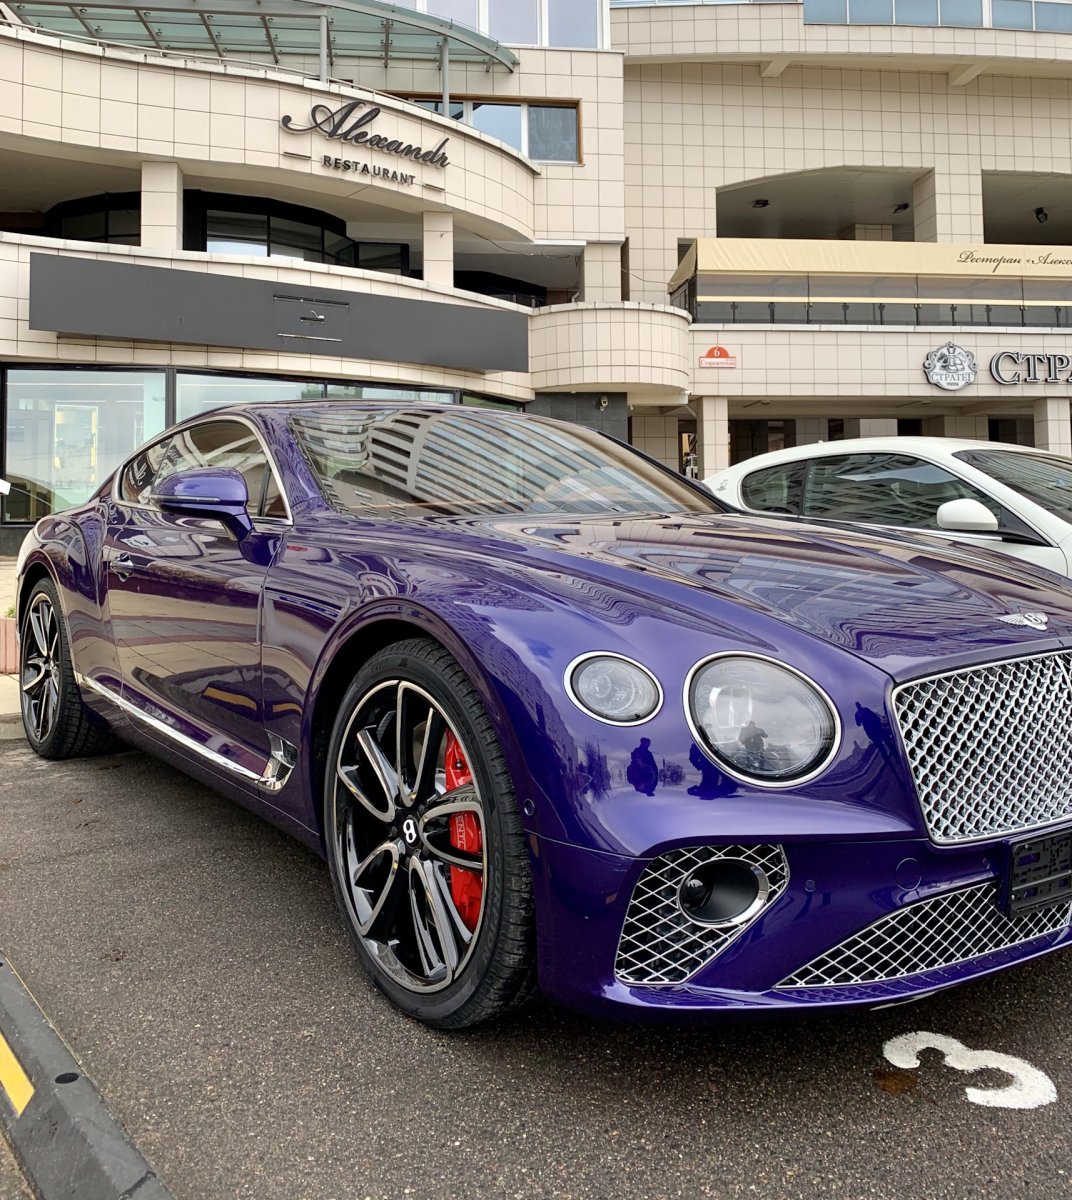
(13, 1079)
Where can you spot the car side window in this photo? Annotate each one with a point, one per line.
(136, 478)
(883, 488)
(209, 444)
(776, 489)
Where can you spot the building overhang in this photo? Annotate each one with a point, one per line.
(272, 30)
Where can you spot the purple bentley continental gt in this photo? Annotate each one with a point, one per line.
(556, 718)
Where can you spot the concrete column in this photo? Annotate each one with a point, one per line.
(963, 425)
(602, 279)
(811, 430)
(1053, 424)
(871, 427)
(438, 247)
(712, 433)
(657, 434)
(161, 206)
(948, 206)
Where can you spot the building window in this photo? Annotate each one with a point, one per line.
(514, 21)
(464, 11)
(1039, 15)
(114, 217)
(569, 24)
(67, 430)
(223, 224)
(200, 393)
(542, 132)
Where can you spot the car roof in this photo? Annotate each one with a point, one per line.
(925, 446)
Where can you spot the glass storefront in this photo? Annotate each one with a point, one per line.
(66, 430)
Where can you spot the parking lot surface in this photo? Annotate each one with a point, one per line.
(191, 957)
(12, 1185)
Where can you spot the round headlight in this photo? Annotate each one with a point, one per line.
(614, 689)
(761, 720)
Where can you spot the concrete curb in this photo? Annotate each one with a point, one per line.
(68, 1145)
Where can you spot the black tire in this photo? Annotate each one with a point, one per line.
(418, 897)
(53, 716)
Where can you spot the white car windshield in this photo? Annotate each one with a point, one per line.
(1043, 478)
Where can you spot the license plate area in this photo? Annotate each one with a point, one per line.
(1039, 872)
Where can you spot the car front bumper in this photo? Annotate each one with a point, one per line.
(857, 923)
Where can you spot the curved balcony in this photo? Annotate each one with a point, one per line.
(624, 346)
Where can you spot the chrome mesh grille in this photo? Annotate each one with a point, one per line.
(939, 932)
(660, 943)
(991, 747)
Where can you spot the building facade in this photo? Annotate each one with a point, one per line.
(713, 228)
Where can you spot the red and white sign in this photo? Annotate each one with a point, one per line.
(718, 356)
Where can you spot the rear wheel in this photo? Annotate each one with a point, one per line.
(53, 716)
(424, 841)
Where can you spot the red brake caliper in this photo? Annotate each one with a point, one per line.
(466, 887)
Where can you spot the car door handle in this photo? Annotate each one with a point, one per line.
(122, 565)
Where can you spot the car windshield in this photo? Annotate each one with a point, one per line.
(415, 461)
(1043, 478)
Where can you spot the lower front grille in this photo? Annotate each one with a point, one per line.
(660, 942)
(940, 932)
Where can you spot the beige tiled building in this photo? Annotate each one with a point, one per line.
(714, 228)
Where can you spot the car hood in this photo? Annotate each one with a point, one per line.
(895, 600)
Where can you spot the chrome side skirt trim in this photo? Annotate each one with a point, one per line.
(283, 758)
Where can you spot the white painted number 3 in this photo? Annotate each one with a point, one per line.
(1029, 1088)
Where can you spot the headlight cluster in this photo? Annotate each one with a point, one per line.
(614, 689)
(760, 719)
(753, 717)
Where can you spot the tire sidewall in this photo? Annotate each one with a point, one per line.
(395, 664)
(46, 746)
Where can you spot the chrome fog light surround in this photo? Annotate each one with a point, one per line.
(592, 655)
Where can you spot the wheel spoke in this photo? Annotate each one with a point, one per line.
(444, 926)
(38, 615)
(424, 778)
(370, 903)
(34, 664)
(451, 854)
(348, 776)
(432, 962)
(464, 933)
(49, 698)
(385, 773)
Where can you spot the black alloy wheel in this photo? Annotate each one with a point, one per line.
(424, 841)
(53, 716)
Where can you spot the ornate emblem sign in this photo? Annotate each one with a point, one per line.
(1033, 620)
(950, 367)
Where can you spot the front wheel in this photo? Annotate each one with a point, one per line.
(53, 716)
(424, 841)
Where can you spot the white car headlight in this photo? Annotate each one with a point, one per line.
(613, 688)
(760, 720)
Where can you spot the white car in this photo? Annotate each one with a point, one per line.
(1004, 497)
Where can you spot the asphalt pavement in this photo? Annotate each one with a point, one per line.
(191, 957)
(12, 1184)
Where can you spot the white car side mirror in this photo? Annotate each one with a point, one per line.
(966, 516)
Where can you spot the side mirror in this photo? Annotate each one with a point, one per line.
(218, 492)
(966, 516)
